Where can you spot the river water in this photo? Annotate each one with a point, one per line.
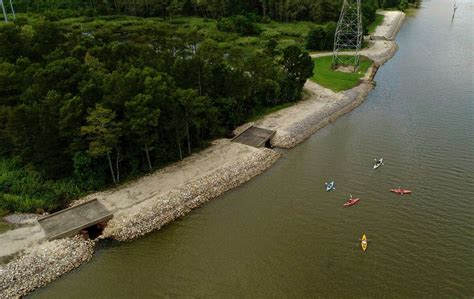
(282, 235)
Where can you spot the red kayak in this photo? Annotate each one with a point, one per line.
(400, 191)
(351, 202)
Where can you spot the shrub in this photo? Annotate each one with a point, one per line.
(321, 37)
(403, 5)
(244, 25)
(25, 190)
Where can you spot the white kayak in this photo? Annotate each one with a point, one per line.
(378, 163)
(330, 186)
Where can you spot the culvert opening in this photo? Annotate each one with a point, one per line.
(268, 144)
(94, 231)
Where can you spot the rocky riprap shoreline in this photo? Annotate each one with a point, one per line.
(301, 130)
(40, 265)
(159, 211)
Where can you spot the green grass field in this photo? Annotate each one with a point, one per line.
(335, 80)
(374, 24)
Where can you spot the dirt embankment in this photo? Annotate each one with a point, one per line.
(150, 202)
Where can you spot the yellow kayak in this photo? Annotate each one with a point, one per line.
(363, 242)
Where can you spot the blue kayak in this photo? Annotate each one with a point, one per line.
(330, 186)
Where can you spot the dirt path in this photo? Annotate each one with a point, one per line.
(390, 26)
(15, 240)
(221, 153)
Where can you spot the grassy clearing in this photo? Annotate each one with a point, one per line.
(285, 34)
(335, 80)
(378, 20)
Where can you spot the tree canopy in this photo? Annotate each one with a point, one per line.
(89, 106)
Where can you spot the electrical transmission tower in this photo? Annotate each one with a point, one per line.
(348, 35)
(5, 17)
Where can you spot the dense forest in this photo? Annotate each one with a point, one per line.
(83, 107)
(319, 11)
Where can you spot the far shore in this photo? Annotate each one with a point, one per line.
(149, 203)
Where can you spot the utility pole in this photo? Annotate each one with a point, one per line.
(348, 35)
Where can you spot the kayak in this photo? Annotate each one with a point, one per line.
(363, 242)
(400, 191)
(351, 202)
(378, 163)
(330, 186)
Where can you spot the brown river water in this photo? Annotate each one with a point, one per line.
(282, 235)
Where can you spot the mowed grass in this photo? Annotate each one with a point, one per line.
(335, 80)
(378, 20)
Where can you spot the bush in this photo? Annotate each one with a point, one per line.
(244, 25)
(403, 5)
(321, 37)
(314, 38)
(25, 190)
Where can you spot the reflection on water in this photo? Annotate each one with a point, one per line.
(282, 235)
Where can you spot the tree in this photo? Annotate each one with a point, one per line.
(142, 115)
(195, 108)
(239, 24)
(270, 47)
(298, 67)
(315, 38)
(103, 134)
(321, 37)
(6, 142)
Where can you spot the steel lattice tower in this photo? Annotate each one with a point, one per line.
(348, 35)
(5, 12)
